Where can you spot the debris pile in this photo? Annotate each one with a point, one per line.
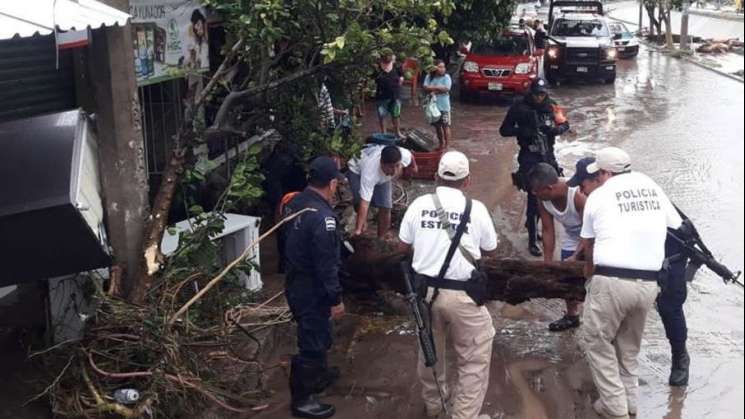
(721, 46)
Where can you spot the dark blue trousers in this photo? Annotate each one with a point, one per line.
(670, 302)
(314, 336)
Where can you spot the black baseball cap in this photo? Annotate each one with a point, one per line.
(539, 85)
(580, 172)
(324, 169)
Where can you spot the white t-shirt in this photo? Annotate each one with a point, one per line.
(422, 229)
(368, 167)
(628, 217)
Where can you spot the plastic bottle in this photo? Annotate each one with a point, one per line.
(126, 396)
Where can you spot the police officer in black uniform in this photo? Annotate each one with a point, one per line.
(670, 307)
(535, 120)
(312, 289)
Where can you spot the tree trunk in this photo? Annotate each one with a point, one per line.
(684, 41)
(669, 42)
(155, 226)
(376, 265)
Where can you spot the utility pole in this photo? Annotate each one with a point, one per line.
(684, 44)
(641, 17)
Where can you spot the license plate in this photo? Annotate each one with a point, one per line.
(582, 69)
(621, 48)
(495, 86)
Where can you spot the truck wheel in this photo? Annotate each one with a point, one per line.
(610, 80)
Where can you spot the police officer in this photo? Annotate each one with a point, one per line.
(624, 229)
(312, 289)
(670, 307)
(671, 298)
(535, 120)
(454, 315)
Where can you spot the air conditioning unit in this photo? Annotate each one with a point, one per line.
(51, 214)
(238, 233)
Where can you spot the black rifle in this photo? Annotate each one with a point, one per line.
(420, 311)
(695, 249)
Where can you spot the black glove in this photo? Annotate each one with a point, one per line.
(548, 130)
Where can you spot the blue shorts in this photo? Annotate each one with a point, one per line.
(566, 254)
(382, 194)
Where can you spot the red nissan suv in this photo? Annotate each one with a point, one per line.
(505, 65)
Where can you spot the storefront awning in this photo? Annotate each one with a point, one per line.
(25, 18)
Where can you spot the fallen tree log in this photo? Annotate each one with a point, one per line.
(375, 264)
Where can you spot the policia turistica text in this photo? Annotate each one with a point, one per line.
(536, 121)
(448, 233)
(312, 289)
(624, 229)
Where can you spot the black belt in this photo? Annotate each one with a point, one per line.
(445, 284)
(628, 273)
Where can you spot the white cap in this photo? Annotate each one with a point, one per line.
(610, 159)
(454, 165)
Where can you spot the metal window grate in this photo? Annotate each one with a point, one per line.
(161, 115)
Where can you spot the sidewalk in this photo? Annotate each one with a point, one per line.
(709, 10)
(716, 27)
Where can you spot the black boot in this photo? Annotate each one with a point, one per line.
(534, 249)
(327, 378)
(565, 323)
(303, 383)
(679, 372)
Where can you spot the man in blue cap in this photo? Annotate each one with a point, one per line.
(536, 121)
(312, 287)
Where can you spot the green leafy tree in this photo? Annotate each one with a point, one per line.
(277, 55)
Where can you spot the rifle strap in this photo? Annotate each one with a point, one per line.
(455, 238)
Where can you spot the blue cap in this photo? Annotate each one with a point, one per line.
(324, 169)
(580, 172)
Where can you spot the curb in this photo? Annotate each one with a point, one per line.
(691, 60)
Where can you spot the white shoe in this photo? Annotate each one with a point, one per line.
(599, 408)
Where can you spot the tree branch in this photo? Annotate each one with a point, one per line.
(228, 268)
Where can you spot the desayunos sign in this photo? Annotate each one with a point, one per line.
(169, 38)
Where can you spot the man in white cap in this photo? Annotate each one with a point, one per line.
(430, 227)
(624, 228)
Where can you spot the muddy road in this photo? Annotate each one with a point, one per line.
(683, 126)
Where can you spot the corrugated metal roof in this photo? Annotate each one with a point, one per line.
(23, 18)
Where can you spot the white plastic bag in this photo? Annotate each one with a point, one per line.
(431, 112)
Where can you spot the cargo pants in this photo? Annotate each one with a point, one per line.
(458, 322)
(615, 312)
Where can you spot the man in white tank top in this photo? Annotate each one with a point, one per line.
(563, 203)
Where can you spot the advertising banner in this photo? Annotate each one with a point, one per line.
(169, 39)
